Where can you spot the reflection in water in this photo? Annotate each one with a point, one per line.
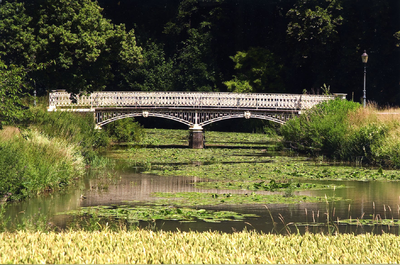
(139, 187)
(364, 200)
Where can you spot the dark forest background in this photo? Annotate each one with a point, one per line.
(260, 46)
(288, 50)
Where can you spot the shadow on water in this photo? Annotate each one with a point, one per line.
(186, 146)
(243, 143)
(126, 146)
(199, 163)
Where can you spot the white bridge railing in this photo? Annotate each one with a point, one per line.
(63, 100)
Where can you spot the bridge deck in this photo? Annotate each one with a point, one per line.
(64, 100)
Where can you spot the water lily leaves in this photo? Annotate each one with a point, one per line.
(151, 213)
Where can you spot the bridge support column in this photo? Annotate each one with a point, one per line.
(196, 139)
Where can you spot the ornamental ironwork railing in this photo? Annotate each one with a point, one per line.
(64, 100)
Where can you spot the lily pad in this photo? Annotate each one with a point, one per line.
(152, 213)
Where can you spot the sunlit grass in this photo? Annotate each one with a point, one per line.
(141, 246)
(372, 114)
(33, 163)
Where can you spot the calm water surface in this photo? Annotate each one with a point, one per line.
(364, 200)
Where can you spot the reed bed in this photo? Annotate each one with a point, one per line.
(144, 246)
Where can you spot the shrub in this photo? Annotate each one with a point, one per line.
(320, 130)
(340, 129)
(125, 130)
(361, 142)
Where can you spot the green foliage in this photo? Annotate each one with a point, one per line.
(258, 71)
(362, 142)
(75, 128)
(387, 153)
(17, 43)
(314, 22)
(327, 130)
(67, 44)
(125, 130)
(156, 73)
(238, 86)
(12, 92)
(194, 58)
(195, 69)
(52, 150)
(397, 36)
(321, 130)
(182, 21)
(32, 164)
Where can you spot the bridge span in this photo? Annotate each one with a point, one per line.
(195, 109)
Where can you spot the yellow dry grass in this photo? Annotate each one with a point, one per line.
(372, 114)
(56, 148)
(9, 132)
(144, 247)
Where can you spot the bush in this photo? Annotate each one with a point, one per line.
(340, 129)
(320, 130)
(362, 142)
(125, 130)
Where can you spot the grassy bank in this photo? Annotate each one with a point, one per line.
(45, 152)
(192, 247)
(32, 163)
(345, 131)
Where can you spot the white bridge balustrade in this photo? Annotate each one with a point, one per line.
(195, 109)
(60, 100)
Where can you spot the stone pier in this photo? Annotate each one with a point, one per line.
(196, 138)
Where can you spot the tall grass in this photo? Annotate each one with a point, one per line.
(31, 163)
(377, 132)
(344, 130)
(46, 151)
(77, 128)
(148, 247)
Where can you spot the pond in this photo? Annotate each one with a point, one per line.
(347, 205)
(373, 200)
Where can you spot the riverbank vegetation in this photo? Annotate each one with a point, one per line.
(148, 247)
(45, 151)
(344, 131)
(32, 163)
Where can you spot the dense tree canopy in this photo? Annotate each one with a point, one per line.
(67, 44)
(206, 45)
(13, 89)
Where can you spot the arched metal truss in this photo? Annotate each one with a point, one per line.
(191, 117)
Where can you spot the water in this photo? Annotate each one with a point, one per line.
(375, 199)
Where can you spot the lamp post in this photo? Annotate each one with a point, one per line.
(364, 58)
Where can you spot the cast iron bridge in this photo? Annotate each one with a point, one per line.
(195, 109)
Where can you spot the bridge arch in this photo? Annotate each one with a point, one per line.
(185, 117)
(260, 117)
(132, 115)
